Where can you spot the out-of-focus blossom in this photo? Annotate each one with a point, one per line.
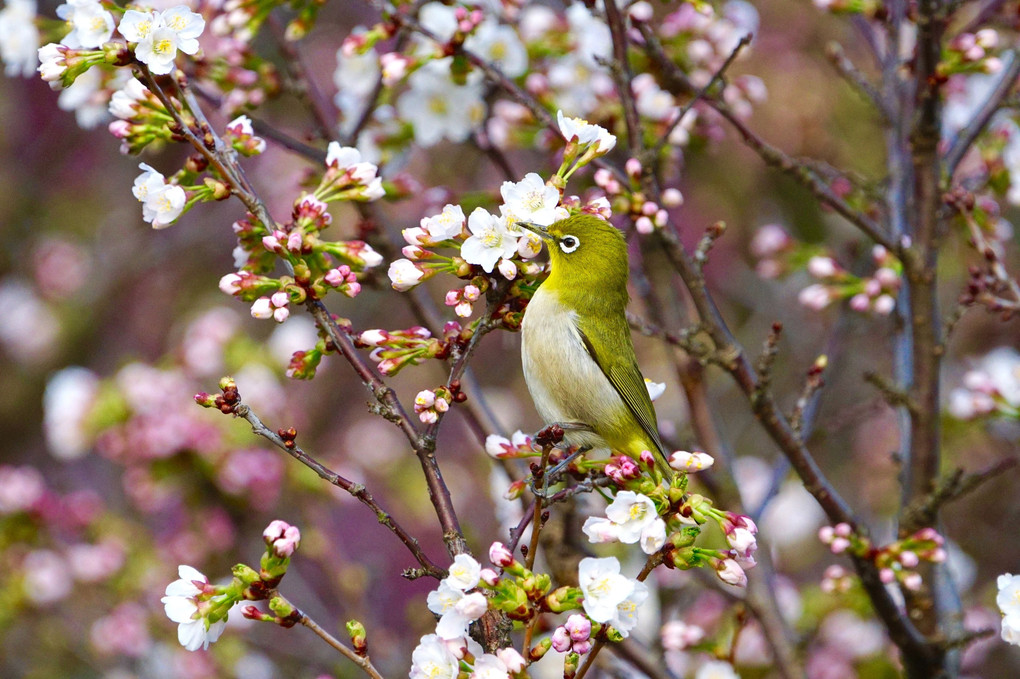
(67, 401)
(856, 637)
(91, 24)
(355, 78)
(437, 107)
(1008, 601)
(19, 38)
(20, 488)
(124, 631)
(716, 669)
(498, 44)
(29, 330)
(47, 576)
(678, 635)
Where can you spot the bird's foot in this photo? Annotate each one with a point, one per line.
(549, 475)
(553, 433)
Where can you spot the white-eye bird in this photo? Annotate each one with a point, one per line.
(576, 347)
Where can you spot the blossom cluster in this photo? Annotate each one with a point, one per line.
(895, 561)
(629, 198)
(201, 609)
(487, 242)
(318, 265)
(991, 387)
(458, 602)
(778, 254)
(972, 53)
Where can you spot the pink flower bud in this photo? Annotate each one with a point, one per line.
(887, 575)
(603, 176)
(884, 305)
(843, 529)
(261, 308)
(335, 278)
(499, 555)
(578, 626)
(281, 314)
(826, 534)
(512, 660)
(279, 299)
(230, 284)
(730, 572)
(860, 302)
(633, 167)
(120, 129)
(912, 581)
(822, 267)
(644, 225)
(839, 545)
(909, 559)
(561, 640)
(582, 647)
(472, 606)
(672, 198)
(373, 338)
(489, 577)
(282, 538)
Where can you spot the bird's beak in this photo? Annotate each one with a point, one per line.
(536, 229)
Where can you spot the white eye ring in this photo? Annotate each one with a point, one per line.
(569, 243)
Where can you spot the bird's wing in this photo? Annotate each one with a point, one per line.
(622, 370)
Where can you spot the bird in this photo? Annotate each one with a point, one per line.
(576, 350)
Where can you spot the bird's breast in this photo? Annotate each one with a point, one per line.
(566, 384)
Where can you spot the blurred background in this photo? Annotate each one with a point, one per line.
(101, 314)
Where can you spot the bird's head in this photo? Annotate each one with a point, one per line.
(586, 253)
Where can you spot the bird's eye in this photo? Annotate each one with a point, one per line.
(569, 243)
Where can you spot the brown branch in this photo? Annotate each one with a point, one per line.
(302, 84)
(922, 458)
(621, 73)
(361, 661)
(856, 79)
(968, 135)
(700, 94)
(675, 82)
(390, 408)
(358, 491)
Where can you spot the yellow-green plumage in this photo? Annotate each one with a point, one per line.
(577, 352)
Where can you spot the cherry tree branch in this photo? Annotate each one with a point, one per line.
(676, 82)
(356, 490)
(361, 661)
(968, 135)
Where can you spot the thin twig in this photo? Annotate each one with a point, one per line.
(357, 490)
(716, 78)
(852, 75)
(675, 82)
(361, 661)
(968, 135)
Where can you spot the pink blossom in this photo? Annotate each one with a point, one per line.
(282, 538)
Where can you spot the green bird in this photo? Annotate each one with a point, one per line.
(576, 347)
